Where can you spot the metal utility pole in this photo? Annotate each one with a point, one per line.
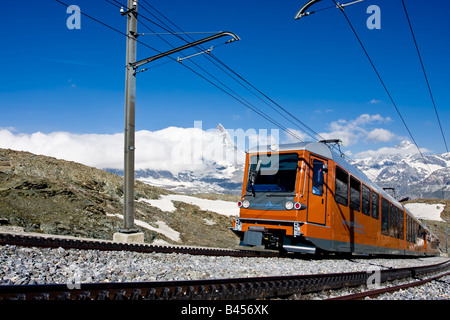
(130, 102)
(129, 233)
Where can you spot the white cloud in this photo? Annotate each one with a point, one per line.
(355, 130)
(369, 119)
(380, 135)
(91, 149)
(173, 149)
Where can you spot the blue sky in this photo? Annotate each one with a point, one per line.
(56, 79)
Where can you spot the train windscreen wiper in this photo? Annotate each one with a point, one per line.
(253, 175)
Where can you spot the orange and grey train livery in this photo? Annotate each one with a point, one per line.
(306, 198)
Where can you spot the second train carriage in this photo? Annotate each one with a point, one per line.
(306, 198)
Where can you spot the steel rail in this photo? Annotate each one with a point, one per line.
(105, 245)
(377, 292)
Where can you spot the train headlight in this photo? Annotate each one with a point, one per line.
(289, 205)
(243, 204)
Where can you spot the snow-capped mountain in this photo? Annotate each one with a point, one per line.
(198, 161)
(214, 164)
(404, 169)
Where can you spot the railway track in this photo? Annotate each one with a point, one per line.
(377, 292)
(93, 244)
(211, 289)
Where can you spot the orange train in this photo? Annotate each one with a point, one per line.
(306, 198)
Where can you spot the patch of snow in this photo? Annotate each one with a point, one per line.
(209, 222)
(426, 211)
(163, 229)
(163, 204)
(226, 208)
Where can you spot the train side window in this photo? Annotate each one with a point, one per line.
(341, 193)
(419, 232)
(397, 223)
(415, 231)
(355, 194)
(317, 184)
(401, 232)
(392, 220)
(409, 228)
(411, 236)
(384, 217)
(366, 200)
(375, 205)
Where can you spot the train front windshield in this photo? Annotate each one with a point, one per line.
(272, 173)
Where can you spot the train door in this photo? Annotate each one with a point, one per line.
(317, 199)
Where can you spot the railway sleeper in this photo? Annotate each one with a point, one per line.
(120, 295)
(136, 295)
(64, 296)
(190, 293)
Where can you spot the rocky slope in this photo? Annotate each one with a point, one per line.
(47, 195)
(438, 227)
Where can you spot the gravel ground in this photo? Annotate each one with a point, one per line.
(434, 290)
(23, 265)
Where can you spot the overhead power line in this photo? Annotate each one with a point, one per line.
(216, 61)
(108, 26)
(226, 89)
(425, 74)
(382, 83)
(221, 86)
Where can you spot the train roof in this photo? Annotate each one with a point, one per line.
(324, 150)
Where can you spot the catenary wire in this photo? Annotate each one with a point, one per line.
(237, 97)
(425, 74)
(110, 27)
(317, 135)
(291, 117)
(384, 86)
(233, 94)
(240, 98)
(219, 61)
(197, 73)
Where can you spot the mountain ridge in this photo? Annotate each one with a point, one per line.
(411, 175)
